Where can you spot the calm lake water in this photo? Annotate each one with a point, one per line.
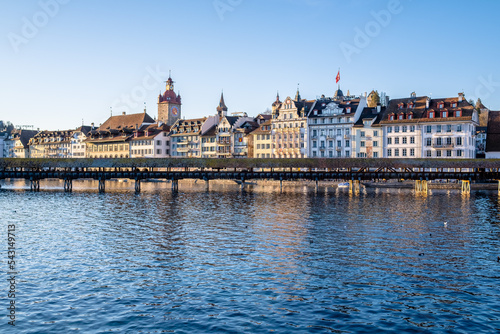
(251, 261)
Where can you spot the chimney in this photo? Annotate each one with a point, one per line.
(427, 103)
(137, 127)
(460, 97)
(379, 108)
(124, 113)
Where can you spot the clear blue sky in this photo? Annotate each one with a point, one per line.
(85, 55)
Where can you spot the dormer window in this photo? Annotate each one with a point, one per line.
(348, 110)
(444, 114)
(401, 116)
(454, 105)
(458, 113)
(410, 105)
(410, 116)
(431, 114)
(441, 105)
(391, 117)
(401, 106)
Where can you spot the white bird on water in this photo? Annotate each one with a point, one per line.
(445, 224)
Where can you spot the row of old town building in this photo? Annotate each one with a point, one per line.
(341, 126)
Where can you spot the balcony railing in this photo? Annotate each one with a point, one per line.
(240, 154)
(443, 146)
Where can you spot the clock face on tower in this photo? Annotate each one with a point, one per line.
(175, 111)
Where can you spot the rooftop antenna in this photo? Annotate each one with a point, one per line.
(144, 107)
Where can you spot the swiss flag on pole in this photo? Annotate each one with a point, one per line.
(337, 79)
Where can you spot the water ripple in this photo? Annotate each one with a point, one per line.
(255, 261)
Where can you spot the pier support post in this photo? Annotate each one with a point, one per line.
(137, 186)
(421, 186)
(207, 184)
(68, 185)
(175, 185)
(242, 185)
(465, 186)
(317, 185)
(34, 184)
(281, 184)
(354, 186)
(102, 185)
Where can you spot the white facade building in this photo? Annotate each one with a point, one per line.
(78, 146)
(421, 127)
(368, 137)
(330, 126)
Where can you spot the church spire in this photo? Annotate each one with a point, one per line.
(297, 96)
(222, 109)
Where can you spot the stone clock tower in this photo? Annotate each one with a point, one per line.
(169, 105)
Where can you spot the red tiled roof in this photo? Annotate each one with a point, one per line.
(420, 112)
(126, 121)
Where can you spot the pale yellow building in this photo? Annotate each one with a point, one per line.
(261, 143)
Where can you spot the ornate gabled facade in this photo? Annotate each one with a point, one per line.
(112, 139)
(330, 123)
(169, 105)
(289, 127)
(429, 128)
(185, 138)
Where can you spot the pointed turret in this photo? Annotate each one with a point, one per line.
(297, 96)
(222, 109)
(277, 102)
